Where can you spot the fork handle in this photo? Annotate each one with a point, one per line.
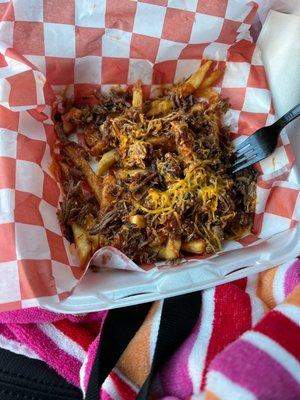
(288, 117)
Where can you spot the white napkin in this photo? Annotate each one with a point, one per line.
(279, 41)
(284, 6)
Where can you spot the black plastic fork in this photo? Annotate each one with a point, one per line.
(262, 143)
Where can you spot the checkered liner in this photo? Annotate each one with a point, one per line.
(87, 43)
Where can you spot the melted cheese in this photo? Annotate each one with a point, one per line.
(198, 182)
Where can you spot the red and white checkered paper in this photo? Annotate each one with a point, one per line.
(48, 44)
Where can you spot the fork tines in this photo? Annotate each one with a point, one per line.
(246, 154)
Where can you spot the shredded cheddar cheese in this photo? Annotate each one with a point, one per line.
(198, 182)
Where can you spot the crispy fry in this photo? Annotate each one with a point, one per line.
(82, 243)
(167, 144)
(190, 85)
(107, 199)
(194, 246)
(93, 239)
(138, 220)
(129, 173)
(198, 107)
(89, 222)
(67, 127)
(137, 95)
(73, 151)
(185, 142)
(108, 159)
(160, 106)
(158, 140)
(64, 169)
(99, 148)
(115, 128)
(208, 93)
(122, 138)
(171, 251)
(95, 242)
(211, 80)
(90, 136)
(73, 115)
(158, 240)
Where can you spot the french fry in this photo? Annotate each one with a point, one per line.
(67, 127)
(95, 242)
(196, 246)
(158, 140)
(93, 239)
(194, 81)
(137, 95)
(115, 128)
(123, 139)
(73, 115)
(158, 241)
(129, 173)
(138, 220)
(107, 199)
(107, 160)
(208, 93)
(168, 144)
(73, 151)
(64, 168)
(198, 107)
(99, 148)
(82, 243)
(160, 106)
(211, 80)
(89, 222)
(185, 142)
(90, 136)
(171, 251)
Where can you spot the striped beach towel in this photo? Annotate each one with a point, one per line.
(245, 344)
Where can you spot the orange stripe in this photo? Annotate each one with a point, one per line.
(135, 361)
(264, 289)
(294, 297)
(211, 396)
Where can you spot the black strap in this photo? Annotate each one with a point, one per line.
(24, 378)
(179, 315)
(119, 328)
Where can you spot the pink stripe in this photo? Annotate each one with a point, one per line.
(9, 342)
(105, 396)
(292, 278)
(90, 361)
(39, 315)
(29, 315)
(175, 378)
(66, 365)
(6, 332)
(91, 354)
(256, 371)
